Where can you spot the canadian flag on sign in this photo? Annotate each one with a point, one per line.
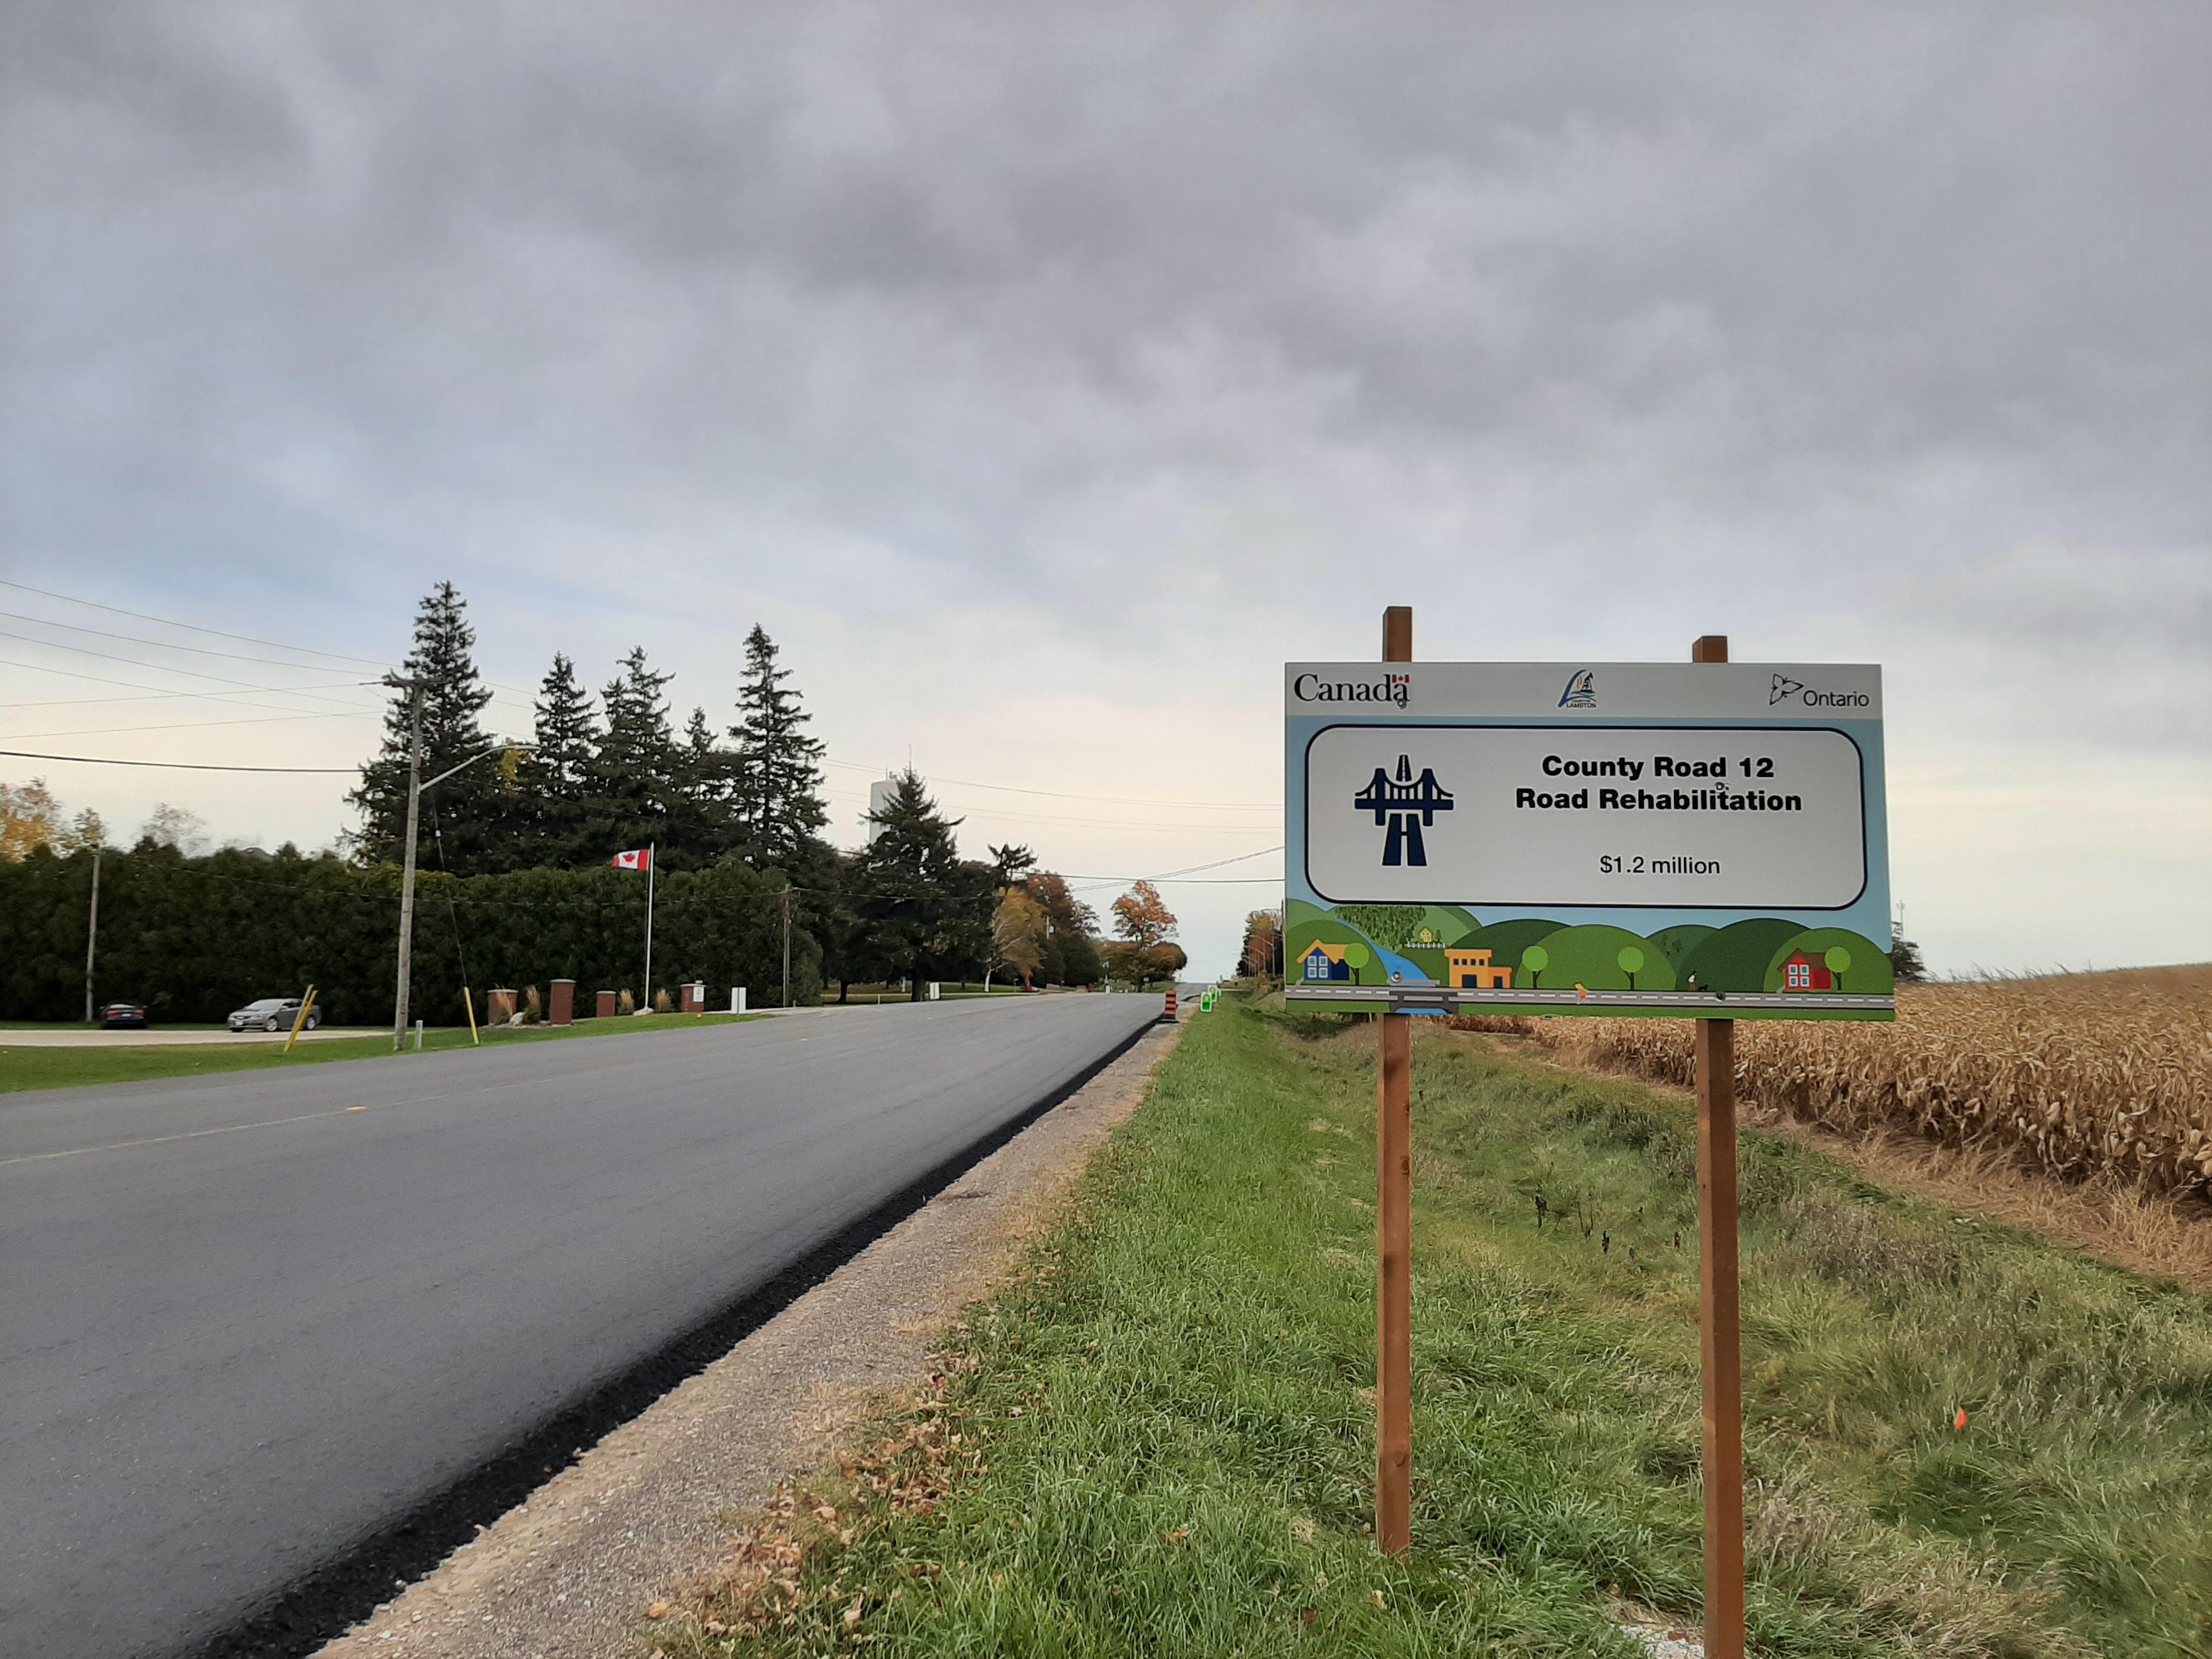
(641, 859)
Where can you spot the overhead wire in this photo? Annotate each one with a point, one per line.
(193, 628)
(194, 725)
(158, 667)
(178, 766)
(160, 645)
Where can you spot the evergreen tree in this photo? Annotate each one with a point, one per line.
(632, 771)
(1011, 863)
(923, 909)
(472, 805)
(700, 824)
(557, 777)
(778, 786)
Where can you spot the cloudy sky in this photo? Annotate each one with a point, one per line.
(1042, 378)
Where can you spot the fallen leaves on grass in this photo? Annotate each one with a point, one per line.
(763, 1588)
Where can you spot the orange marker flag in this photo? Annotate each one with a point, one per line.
(1959, 1423)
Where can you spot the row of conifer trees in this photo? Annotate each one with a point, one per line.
(516, 886)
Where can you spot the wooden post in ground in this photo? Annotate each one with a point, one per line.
(1719, 1316)
(1394, 1222)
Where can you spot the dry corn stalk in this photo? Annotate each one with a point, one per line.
(2080, 1075)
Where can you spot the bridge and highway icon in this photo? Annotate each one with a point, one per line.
(1408, 805)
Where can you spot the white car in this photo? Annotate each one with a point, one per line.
(272, 1014)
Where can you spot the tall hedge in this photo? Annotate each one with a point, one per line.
(194, 938)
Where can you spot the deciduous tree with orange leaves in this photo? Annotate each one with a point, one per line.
(1145, 951)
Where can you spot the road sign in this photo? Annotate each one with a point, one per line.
(1704, 840)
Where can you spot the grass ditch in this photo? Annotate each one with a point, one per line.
(27, 1066)
(1159, 1440)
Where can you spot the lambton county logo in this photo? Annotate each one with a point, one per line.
(1580, 692)
(1784, 687)
(1407, 806)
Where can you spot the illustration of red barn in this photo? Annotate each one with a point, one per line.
(1804, 973)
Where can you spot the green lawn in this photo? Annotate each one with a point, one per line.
(1165, 1447)
(24, 1067)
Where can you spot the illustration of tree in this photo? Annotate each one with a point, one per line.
(1839, 962)
(1358, 956)
(1535, 959)
(1390, 926)
(1631, 963)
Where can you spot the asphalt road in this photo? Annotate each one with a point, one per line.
(245, 1320)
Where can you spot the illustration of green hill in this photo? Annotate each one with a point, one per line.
(1506, 940)
(1298, 910)
(1598, 959)
(1429, 959)
(1677, 943)
(1443, 926)
(1854, 962)
(1735, 958)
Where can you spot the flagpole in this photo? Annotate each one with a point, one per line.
(650, 848)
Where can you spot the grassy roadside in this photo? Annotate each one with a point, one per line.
(1159, 1441)
(25, 1067)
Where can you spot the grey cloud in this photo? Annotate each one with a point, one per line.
(1555, 309)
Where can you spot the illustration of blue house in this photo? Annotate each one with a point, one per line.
(1325, 964)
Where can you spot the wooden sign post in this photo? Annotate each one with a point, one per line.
(1720, 1322)
(1394, 1230)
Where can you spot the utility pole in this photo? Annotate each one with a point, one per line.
(786, 941)
(91, 935)
(407, 879)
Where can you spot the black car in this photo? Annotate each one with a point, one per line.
(123, 1017)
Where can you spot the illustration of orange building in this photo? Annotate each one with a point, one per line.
(1471, 970)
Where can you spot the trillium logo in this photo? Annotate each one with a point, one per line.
(1580, 692)
(1784, 687)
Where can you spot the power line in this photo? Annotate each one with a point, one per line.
(158, 667)
(179, 766)
(159, 695)
(159, 645)
(194, 725)
(152, 695)
(193, 628)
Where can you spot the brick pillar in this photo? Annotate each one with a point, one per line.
(694, 998)
(563, 1010)
(498, 1007)
(608, 1001)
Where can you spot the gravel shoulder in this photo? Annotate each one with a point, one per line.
(569, 1573)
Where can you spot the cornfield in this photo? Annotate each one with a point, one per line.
(2078, 1075)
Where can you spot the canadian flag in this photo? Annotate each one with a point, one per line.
(641, 859)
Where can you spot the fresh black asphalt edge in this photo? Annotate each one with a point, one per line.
(340, 1593)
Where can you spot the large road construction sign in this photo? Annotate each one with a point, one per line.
(1707, 840)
